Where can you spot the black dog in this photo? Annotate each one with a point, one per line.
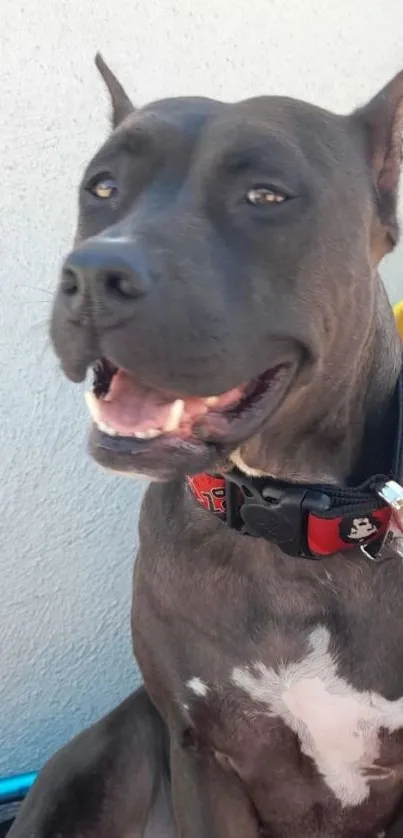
(224, 287)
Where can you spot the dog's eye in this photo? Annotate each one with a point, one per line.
(102, 187)
(262, 195)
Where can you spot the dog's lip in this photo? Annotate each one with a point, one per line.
(121, 405)
(132, 445)
(219, 429)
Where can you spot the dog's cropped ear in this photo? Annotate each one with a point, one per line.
(382, 122)
(121, 104)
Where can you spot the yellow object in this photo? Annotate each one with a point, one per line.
(398, 310)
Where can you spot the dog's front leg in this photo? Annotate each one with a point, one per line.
(209, 802)
(111, 781)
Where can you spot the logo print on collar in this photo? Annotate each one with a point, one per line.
(357, 529)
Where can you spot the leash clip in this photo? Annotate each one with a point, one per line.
(392, 494)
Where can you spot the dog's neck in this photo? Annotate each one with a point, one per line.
(344, 414)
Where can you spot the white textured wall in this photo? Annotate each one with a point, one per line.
(67, 531)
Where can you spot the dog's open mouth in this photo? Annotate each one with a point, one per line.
(122, 407)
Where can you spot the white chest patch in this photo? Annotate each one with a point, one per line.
(338, 726)
(198, 687)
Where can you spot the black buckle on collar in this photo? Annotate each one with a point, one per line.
(277, 511)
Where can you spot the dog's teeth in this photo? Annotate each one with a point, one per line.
(211, 401)
(175, 415)
(94, 409)
(150, 433)
(93, 406)
(106, 429)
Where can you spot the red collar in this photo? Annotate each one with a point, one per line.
(310, 521)
(323, 532)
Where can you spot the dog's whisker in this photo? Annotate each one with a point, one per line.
(37, 288)
(46, 343)
(47, 348)
(41, 324)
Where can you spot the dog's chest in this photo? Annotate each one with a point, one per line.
(309, 714)
(302, 720)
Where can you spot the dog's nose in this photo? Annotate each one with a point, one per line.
(106, 272)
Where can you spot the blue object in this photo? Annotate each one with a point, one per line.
(15, 788)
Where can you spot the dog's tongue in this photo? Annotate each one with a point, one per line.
(129, 407)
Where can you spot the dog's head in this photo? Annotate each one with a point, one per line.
(224, 254)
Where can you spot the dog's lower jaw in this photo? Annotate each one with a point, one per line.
(198, 444)
(325, 446)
